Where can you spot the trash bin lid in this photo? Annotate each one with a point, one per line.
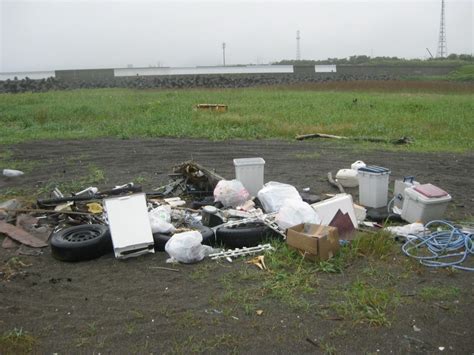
(430, 190)
(374, 169)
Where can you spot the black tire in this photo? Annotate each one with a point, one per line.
(207, 233)
(244, 235)
(84, 242)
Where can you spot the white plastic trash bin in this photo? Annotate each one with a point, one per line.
(424, 203)
(373, 186)
(250, 172)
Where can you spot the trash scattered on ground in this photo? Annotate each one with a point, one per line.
(314, 242)
(258, 261)
(198, 210)
(274, 194)
(186, 248)
(250, 172)
(129, 225)
(12, 173)
(445, 246)
(347, 178)
(235, 253)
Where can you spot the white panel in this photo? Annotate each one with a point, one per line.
(34, 75)
(329, 68)
(129, 225)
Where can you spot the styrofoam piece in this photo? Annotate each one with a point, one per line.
(12, 173)
(420, 208)
(347, 178)
(250, 172)
(373, 186)
(357, 164)
(360, 212)
(129, 225)
(327, 209)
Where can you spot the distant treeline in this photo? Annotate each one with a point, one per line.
(452, 59)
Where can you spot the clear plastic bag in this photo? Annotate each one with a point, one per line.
(186, 248)
(273, 195)
(160, 220)
(231, 193)
(294, 212)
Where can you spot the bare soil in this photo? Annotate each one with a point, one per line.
(112, 306)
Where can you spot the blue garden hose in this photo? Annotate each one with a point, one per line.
(453, 244)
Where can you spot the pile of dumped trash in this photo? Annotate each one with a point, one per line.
(200, 214)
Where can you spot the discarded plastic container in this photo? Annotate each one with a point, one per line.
(347, 178)
(357, 165)
(12, 173)
(424, 203)
(373, 186)
(250, 171)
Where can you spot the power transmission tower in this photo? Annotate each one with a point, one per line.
(298, 51)
(442, 51)
(223, 52)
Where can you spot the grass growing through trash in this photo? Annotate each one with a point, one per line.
(437, 120)
(17, 341)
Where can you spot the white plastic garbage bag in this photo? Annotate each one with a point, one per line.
(273, 194)
(294, 212)
(186, 247)
(231, 193)
(12, 173)
(160, 220)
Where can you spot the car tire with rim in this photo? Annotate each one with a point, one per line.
(84, 242)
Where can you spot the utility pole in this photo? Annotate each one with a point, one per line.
(442, 46)
(298, 51)
(223, 52)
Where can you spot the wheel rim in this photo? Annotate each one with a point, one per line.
(77, 236)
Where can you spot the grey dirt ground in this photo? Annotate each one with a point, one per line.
(112, 306)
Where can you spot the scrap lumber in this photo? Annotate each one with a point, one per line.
(198, 174)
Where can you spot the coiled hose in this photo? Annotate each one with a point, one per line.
(452, 243)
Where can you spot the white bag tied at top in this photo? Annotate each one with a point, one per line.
(273, 195)
(231, 193)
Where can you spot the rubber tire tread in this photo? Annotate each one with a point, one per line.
(64, 250)
(247, 235)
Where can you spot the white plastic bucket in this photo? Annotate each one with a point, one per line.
(373, 186)
(250, 172)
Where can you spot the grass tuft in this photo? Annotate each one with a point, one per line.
(17, 341)
(363, 303)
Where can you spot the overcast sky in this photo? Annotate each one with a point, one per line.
(76, 34)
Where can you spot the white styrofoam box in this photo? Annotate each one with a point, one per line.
(250, 172)
(347, 178)
(420, 208)
(373, 186)
(129, 225)
(327, 209)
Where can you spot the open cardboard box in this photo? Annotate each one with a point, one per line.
(316, 242)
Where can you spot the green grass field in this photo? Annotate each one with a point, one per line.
(438, 121)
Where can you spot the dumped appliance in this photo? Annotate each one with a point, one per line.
(129, 225)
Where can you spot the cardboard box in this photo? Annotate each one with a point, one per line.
(315, 241)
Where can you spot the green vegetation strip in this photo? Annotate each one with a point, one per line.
(436, 121)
